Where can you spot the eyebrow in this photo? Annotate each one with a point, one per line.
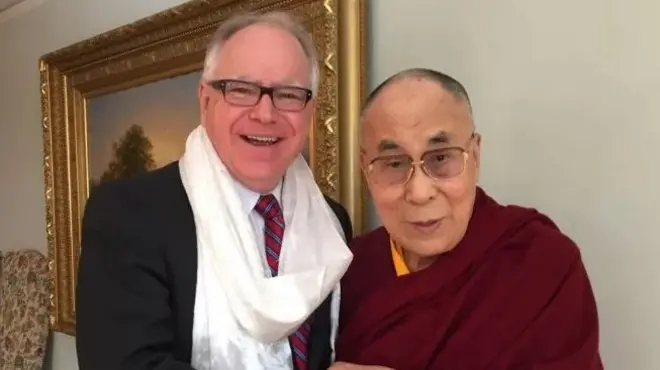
(293, 83)
(440, 137)
(387, 145)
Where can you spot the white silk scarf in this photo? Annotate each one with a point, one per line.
(242, 317)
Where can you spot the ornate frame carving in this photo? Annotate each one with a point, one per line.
(171, 43)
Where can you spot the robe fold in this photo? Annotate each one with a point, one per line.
(513, 295)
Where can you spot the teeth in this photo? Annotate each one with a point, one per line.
(263, 139)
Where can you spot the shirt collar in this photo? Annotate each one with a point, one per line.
(249, 198)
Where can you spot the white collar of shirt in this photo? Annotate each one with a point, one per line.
(250, 198)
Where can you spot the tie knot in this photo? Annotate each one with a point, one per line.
(268, 207)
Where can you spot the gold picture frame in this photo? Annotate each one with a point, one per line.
(169, 44)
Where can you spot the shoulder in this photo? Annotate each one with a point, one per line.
(514, 238)
(544, 236)
(550, 244)
(336, 207)
(341, 216)
(538, 250)
(140, 197)
(542, 272)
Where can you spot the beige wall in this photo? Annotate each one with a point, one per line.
(564, 95)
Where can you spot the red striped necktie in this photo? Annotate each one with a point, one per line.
(269, 208)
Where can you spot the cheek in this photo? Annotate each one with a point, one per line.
(388, 202)
(220, 122)
(461, 187)
(459, 194)
(299, 126)
(299, 122)
(454, 190)
(224, 119)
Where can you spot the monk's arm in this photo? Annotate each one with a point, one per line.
(566, 335)
(124, 321)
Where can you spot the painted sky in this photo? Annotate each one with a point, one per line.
(166, 109)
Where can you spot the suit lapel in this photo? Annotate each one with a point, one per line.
(181, 239)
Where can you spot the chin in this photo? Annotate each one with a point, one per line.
(266, 177)
(262, 166)
(262, 181)
(435, 247)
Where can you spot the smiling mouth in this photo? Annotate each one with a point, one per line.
(261, 140)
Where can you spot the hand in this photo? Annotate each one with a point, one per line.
(347, 366)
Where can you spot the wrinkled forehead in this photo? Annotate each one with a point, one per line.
(265, 54)
(413, 115)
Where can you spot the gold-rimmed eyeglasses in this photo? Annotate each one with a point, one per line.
(438, 164)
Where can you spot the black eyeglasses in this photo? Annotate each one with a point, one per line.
(249, 94)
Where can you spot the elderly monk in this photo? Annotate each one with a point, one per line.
(455, 280)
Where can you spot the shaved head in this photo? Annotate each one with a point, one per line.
(448, 83)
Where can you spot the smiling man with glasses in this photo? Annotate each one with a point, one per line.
(454, 280)
(229, 258)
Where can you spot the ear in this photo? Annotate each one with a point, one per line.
(311, 109)
(476, 153)
(312, 105)
(476, 150)
(203, 96)
(364, 165)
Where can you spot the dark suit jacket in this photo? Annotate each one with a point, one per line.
(137, 277)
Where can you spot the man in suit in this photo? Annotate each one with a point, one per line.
(229, 258)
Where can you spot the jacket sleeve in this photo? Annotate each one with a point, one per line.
(124, 319)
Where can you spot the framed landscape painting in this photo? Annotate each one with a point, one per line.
(140, 129)
(123, 102)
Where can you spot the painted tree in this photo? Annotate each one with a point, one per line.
(132, 155)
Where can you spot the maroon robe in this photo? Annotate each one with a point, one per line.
(513, 295)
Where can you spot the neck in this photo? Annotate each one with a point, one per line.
(259, 187)
(416, 262)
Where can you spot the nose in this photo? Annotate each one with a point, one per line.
(420, 189)
(264, 111)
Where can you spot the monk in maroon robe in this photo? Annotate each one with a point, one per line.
(454, 280)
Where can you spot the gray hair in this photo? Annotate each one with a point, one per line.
(276, 19)
(448, 83)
